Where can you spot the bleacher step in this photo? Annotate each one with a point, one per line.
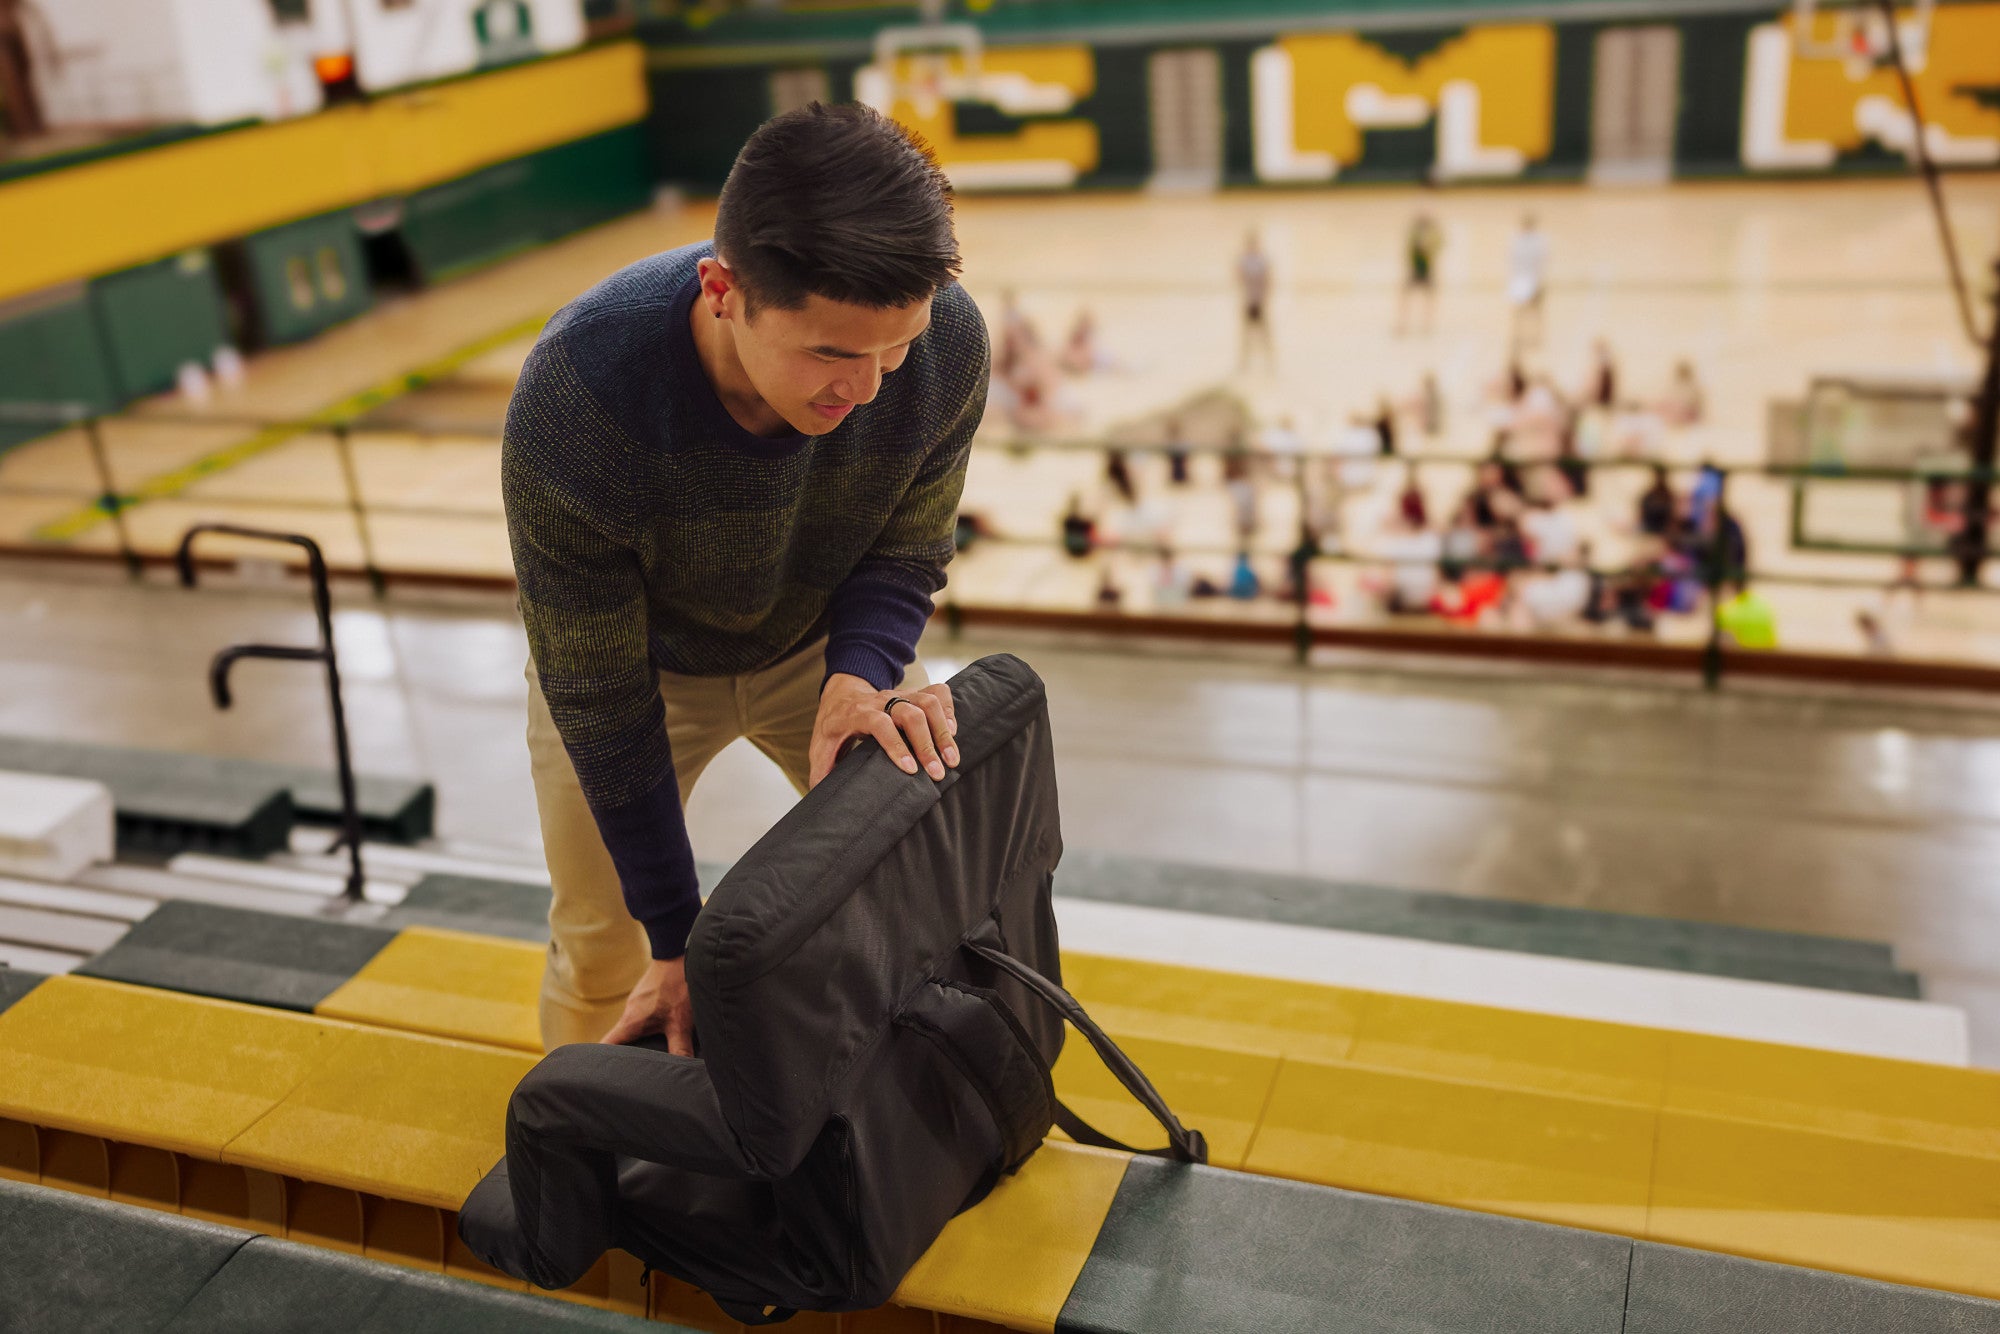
(52, 826)
(200, 949)
(170, 801)
(1864, 967)
(166, 801)
(86, 1266)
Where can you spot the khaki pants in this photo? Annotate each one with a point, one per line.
(596, 950)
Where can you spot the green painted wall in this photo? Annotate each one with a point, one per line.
(156, 317)
(51, 353)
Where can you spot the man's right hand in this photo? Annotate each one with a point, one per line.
(659, 1004)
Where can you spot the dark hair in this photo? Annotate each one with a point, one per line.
(839, 202)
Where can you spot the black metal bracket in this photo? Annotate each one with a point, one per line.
(218, 671)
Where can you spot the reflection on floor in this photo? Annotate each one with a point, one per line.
(1866, 816)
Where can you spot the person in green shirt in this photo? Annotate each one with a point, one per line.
(1747, 619)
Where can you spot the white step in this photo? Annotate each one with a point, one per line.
(264, 876)
(393, 857)
(31, 960)
(310, 840)
(53, 827)
(335, 864)
(1579, 989)
(74, 899)
(155, 883)
(42, 929)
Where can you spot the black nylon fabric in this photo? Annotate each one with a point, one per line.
(863, 1076)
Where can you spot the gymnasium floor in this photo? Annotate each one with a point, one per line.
(1760, 285)
(1868, 815)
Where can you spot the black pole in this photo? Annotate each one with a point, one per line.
(343, 447)
(350, 812)
(108, 498)
(1301, 562)
(1984, 447)
(1930, 172)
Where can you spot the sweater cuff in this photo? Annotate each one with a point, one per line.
(668, 933)
(862, 659)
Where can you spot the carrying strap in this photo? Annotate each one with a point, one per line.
(1183, 1145)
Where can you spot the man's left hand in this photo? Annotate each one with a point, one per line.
(917, 733)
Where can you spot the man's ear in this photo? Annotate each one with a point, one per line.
(719, 292)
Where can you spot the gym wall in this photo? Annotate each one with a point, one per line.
(1116, 93)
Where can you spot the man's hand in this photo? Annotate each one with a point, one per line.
(659, 1004)
(917, 733)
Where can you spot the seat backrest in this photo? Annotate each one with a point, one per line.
(806, 950)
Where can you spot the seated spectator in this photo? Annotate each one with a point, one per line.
(1118, 473)
(1177, 453)
(1385, 427)
(1874, 636)
(1601, 388)
(1171, 582)
(1427, 405)
(1079, 530)
(1475, 596)
(1414, 554)
(1550, 533)
(1659, 506)
(1746, 619)
(1081, 355)
(1410, 503)
(1243, 582)
(1683, 404)
(1283, 443)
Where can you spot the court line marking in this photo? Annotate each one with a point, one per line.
(174, 481)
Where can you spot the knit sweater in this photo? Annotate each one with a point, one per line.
(651, 533)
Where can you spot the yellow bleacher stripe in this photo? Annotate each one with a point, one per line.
(396, 1114)
(1508, 1151)
(1015, 1258)
(1209, 1008)
(1894, 1212)
(176, 480)
(417, 1120)
(109, 214)
(477, 988)
(1220, 1091)
(175, 1071)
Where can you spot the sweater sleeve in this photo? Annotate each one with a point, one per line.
(877, 614)
(566, 482)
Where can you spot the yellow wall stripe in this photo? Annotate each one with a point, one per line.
(115, 212)
(176, 480)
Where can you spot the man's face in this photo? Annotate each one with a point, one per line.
(814, 365)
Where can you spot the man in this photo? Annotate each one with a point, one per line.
(731, 475)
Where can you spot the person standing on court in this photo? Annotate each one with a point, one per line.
(1419, 280)
(1253, 280)
(731, 474)
(1527, 281)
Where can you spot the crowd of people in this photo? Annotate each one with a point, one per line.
(1510, 551)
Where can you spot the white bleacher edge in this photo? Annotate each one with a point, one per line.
(74, 899)
(265, 876)
(1575, 988)
(29, 959)
(154, 883)
(70, 934)
(53, 827)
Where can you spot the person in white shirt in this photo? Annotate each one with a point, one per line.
(1253, 279)
(1527, 280)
